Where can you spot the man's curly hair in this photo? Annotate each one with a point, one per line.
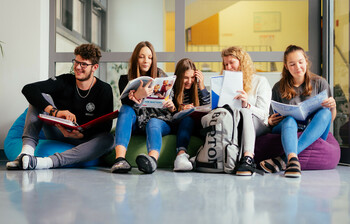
(89, 52)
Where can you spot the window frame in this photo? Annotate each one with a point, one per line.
(180, 42)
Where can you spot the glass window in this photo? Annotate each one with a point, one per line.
(341, 71)
(130, 22)
(96, 29)
(254, 25)
(58, 9)
(78, 16)
(82, 21)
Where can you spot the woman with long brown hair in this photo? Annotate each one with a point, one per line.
(133, 118)
(298, 84)
(189, 92)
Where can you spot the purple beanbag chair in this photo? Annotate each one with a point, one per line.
(320, 155)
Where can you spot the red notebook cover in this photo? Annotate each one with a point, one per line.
(71, 125)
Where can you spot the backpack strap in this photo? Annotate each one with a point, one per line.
(205, 130)
(206, 165)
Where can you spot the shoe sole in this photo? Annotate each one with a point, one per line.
(18, 160)
(189, 168)
(121, 170)
(17, 167)
(267, 170)
(182, 170)
(244, 173)
(292, 175)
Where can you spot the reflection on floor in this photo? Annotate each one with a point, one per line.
(97, 196)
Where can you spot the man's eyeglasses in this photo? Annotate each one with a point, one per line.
(82, 64)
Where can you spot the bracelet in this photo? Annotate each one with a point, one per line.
(53, 109)
(56, 112)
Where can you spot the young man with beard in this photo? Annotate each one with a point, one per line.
(79, 98)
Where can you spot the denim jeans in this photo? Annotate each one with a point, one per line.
(184, 133)
(126, 125)
(317, 128)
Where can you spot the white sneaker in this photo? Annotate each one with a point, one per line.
(182, 163)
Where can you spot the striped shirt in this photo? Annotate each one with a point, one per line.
(203, 95)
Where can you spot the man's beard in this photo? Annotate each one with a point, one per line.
(86, 78)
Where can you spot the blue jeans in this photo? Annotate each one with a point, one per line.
(126, 124)
(317, 128)
(184, 133)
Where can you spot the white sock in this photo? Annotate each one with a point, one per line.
(27, 149)
(44, 163)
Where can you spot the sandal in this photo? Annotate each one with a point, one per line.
(274, 165)
(293, 168)
(247, 167)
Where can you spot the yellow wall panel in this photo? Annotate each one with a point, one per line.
(206, 32)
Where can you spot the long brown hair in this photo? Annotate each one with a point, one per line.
(287, 81)
(245, 63)
(181, 67)
(134, 68)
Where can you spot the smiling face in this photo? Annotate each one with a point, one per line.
(83, 74)
(145, 60)
(231, 63)
(296, 64)
(189, 78)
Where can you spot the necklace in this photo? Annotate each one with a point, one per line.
(88, 91)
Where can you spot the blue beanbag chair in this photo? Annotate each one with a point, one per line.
(45, 147)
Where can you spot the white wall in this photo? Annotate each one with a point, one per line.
(24, 27)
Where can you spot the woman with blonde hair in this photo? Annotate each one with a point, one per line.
(255, 97)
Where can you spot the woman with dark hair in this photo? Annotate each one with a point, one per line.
(189, 92)
(297, 84)
(133, 118)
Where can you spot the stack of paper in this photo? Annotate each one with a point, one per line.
(224, 88)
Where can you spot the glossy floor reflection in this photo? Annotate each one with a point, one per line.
(97, 196)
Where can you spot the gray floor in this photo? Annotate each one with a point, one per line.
(96, 196)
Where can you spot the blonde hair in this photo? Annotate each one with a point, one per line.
(245, 65)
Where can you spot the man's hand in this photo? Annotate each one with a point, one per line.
(73, 134)
(66, 115)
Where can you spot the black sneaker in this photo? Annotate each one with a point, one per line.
(121, 165)
(247, 167)
(146, 163)
(15, 164)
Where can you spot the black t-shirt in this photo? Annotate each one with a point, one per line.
(64, 93)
